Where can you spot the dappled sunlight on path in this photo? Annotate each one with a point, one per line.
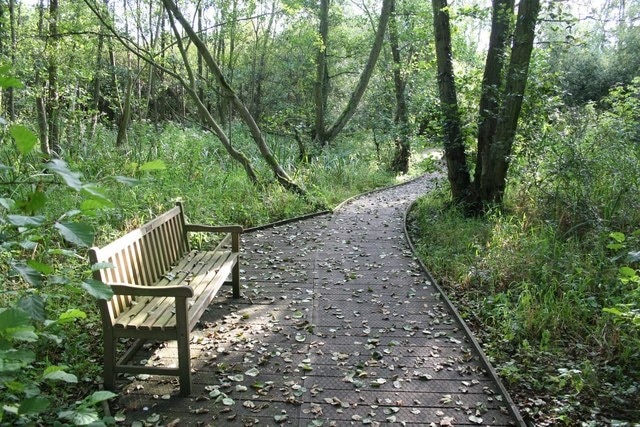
(338, 325)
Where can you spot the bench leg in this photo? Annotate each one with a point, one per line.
(109, 373)
(184, 350)
(235, 280)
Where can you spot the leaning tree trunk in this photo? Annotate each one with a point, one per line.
(454, 150)
(496, 163)
(357, 94)
(194, 92)
(281, 175)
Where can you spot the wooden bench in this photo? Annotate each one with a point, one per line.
(161, 288)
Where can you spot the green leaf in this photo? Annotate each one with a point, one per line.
(101, 396)
(38, 266)
(30, 275)
(33, 405)
(77, 233)
(153, 165)
(627, 272)
(126, 180)
(80, 416)
(90, 206)
(71, 315)
(34, 203)
(33, 305)
(60, 168)
(8, 204)
(96, 194)
(97, 289)
(26, 221)
(617, 236)
(56, 373)
(13, 318)
(24, 138)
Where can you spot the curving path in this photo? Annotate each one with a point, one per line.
(340, 325)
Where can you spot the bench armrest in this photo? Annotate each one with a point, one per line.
(151, 291)
(214, 228)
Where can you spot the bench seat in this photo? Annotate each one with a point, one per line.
(161, 289)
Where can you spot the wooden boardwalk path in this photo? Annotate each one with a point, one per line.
(339, 325)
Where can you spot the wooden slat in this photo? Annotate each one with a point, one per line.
(203, 268)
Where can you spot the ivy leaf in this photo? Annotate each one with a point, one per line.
(24, 138)
(77, 233)
(97, 289)
(29, 274)
(60, 168)
(33, 405)
(153, 165)
(33, 305)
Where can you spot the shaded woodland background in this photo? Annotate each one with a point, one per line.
(254, 111)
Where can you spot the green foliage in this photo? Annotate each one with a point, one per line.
(552, 281)
(31, 241)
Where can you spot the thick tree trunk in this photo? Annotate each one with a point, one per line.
(493, 179)
(357, 94)
(402, 146)
(281, 175)
(454, 149)
(502, 16)
(321, 85)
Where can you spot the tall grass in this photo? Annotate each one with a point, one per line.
(550, 282)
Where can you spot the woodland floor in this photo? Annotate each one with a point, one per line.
(338, 325)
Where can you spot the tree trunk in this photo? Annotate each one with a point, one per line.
(502, 16)
(401, 157)
(281, 175)
(356, 96)
(11, 105)
(209, 120)
(53, 101)
(496, 163)
(125, 116)
(41, 109)
(321, 85)
(454, 150)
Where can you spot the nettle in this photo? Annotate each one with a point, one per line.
(30, 243)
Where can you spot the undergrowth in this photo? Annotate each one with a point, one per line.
(51, 211)
(549, 283)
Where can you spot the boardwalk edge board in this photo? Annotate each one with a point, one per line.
(513, 409)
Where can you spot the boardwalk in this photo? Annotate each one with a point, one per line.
(339, 326)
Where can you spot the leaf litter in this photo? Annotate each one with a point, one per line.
(338, 325)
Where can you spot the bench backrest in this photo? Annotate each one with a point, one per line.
(142, 256)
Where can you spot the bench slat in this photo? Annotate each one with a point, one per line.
(162, 288)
